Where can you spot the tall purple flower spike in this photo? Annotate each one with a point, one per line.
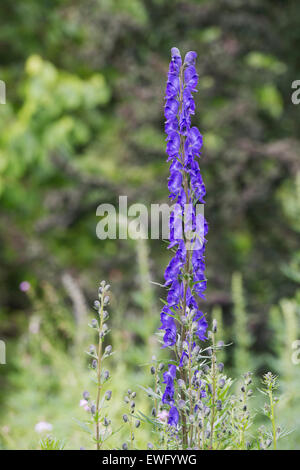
(184, 276)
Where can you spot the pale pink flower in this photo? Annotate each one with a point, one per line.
(163, 415)
(84, 404)
(24, 286)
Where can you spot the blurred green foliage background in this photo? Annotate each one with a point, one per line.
(83, 124)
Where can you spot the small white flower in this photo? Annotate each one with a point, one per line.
(43, 426)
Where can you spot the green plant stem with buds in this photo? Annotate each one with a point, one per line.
(203, 429)
(270, 384)
(190, 377)
(272, 417)
(183, 417)
(99, 374)
(131, 432)
(242, 434)
(213, 400)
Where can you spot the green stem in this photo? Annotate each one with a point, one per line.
(190, 379)
(99, 377)
(273, 419)
(213, 374)
(131, 432)
(242, 435)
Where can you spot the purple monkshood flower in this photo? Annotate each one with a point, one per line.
(173, 416)
(168, 396)
(190, 58)
(184, 359)
(168, 379)
(168, 324)
(170, 374)
(187, 189)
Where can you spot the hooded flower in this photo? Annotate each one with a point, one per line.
(168, 379)
(173, 416)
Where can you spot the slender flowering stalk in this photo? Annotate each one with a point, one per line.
(184, 277)
(98, 354)
(270, 385)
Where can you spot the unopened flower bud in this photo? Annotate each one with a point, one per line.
(86, 395)
(221, 383)
(125, 418)
(268, 443)
(108, 395)
(181, 404)
(108, 349)
(181, 383)
(221, 366)
(200, 405)
(137, 423)
(266, 409)
(106, 375)
(94, 364)
(214, 326)
(124, 446)
(105, 315)
(185, 360)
